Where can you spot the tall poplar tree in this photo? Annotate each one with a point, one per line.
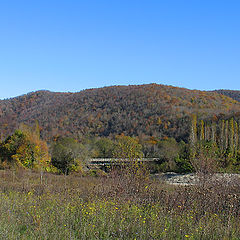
(193, 136)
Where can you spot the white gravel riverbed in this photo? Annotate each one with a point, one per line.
(193, 178)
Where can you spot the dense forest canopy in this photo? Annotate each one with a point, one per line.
(230, 93)
(140, 110)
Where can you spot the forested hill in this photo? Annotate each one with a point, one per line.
(230, 93)
(138, 110)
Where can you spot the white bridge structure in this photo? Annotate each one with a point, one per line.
(104, 162)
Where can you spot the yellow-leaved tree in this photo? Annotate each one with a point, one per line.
(133, 174)
(25, 149)
(39, 148)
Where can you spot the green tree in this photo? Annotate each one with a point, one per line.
(68, 155)
(169, 150)
(105, 148)
(10, 146)
(127, 147)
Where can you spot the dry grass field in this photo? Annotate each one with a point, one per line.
(117, 206)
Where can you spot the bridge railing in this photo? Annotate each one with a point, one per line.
(109, 161)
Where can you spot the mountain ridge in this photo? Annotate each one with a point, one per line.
(140, 110)
(226, 92)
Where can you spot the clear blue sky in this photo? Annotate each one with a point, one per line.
(73, 45)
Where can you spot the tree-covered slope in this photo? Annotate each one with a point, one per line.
(230, 93)
(137, 110)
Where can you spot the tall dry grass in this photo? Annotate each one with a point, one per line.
(117, 206)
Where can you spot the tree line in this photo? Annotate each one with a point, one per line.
(212, 144)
